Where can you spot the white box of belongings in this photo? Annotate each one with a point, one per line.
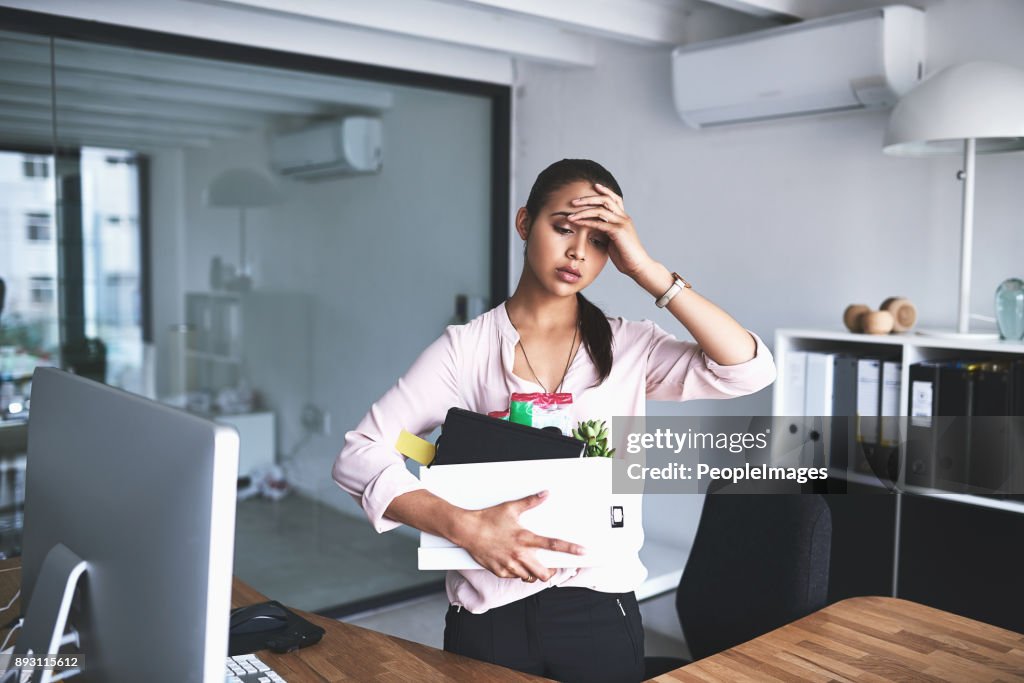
(580, 507)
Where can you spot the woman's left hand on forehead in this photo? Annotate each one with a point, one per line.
(605, 212)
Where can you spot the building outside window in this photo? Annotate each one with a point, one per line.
(39, 226)
(35, 167)
(41, 289)
(29, 323)
(108, 282)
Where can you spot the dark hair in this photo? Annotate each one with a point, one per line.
(595, 331)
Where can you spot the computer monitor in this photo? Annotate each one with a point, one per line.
(139, 498)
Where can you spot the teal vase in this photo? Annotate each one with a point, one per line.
(1010, 309)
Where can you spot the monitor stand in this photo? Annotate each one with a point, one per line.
(47, 613)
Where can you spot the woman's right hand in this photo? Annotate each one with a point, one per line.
(495, 539)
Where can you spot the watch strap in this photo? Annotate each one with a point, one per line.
(678, 285)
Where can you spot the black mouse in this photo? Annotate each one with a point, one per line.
(258, 618)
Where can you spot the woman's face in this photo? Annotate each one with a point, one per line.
(565, 258)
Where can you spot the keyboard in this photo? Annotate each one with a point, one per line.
(250, 669)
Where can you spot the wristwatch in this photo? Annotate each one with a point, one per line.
(678, 285)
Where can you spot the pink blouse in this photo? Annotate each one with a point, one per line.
(470, 366)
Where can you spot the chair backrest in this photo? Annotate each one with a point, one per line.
(758, 562)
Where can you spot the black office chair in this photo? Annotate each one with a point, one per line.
(758, 562)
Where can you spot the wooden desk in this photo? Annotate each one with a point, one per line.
(346, 653)
(869, 639)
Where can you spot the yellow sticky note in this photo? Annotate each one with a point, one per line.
(412, 446)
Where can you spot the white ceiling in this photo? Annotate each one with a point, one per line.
(114, 96)
(109, 96)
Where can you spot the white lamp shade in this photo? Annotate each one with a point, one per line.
(241, 188)
(980, 100)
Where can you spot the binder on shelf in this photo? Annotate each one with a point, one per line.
(1017, 391)
(880, 448)
(868, 404)
(869, 386)
(989, 430)
(1017, 427)
(938, 449)
(795, 374)
(842, 441)
(818, 397)
(795, 439)
(889, 404)
(818, 394)
(922, 441)
(955, 398)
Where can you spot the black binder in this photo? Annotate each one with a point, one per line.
(469, 437)
(955, 401)
(992, 399)
(843, 439)
(938, 437)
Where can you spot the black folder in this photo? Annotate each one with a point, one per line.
(938, 445)
(468, 437)
(989, 459)
(922, 430)
(843, 437)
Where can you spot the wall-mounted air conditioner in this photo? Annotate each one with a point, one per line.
(861, 60)
(348, 146)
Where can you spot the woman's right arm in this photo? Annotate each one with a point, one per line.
(492, 536)
(374, 473)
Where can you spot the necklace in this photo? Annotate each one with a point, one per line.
(568, 361)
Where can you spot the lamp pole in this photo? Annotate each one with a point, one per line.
(966, 237)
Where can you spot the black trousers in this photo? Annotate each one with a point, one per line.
(569, 634)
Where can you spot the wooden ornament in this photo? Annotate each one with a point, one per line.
(903, 312)
(852, 316)
(878, 322)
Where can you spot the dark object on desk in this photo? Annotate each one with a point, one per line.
(293, 634)
(259, 618)
(469, 437)
(758, 562)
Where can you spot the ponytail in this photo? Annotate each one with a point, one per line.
(596, 334)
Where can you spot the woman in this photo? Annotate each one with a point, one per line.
(569, 624)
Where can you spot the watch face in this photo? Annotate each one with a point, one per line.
(679, 277)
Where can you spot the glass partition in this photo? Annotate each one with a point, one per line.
(267, 247)
(29, 264)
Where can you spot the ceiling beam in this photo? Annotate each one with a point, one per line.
(69, 81)
(101, 103)
(769, 9)
(41, 132)
(205, 129)
(443, 23)
(635, 21)
(158, 68)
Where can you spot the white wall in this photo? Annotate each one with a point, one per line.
(380, 259)
(782, 223)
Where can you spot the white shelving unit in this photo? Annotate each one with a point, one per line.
(908, 348)
(263, 337)
(215, 344)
